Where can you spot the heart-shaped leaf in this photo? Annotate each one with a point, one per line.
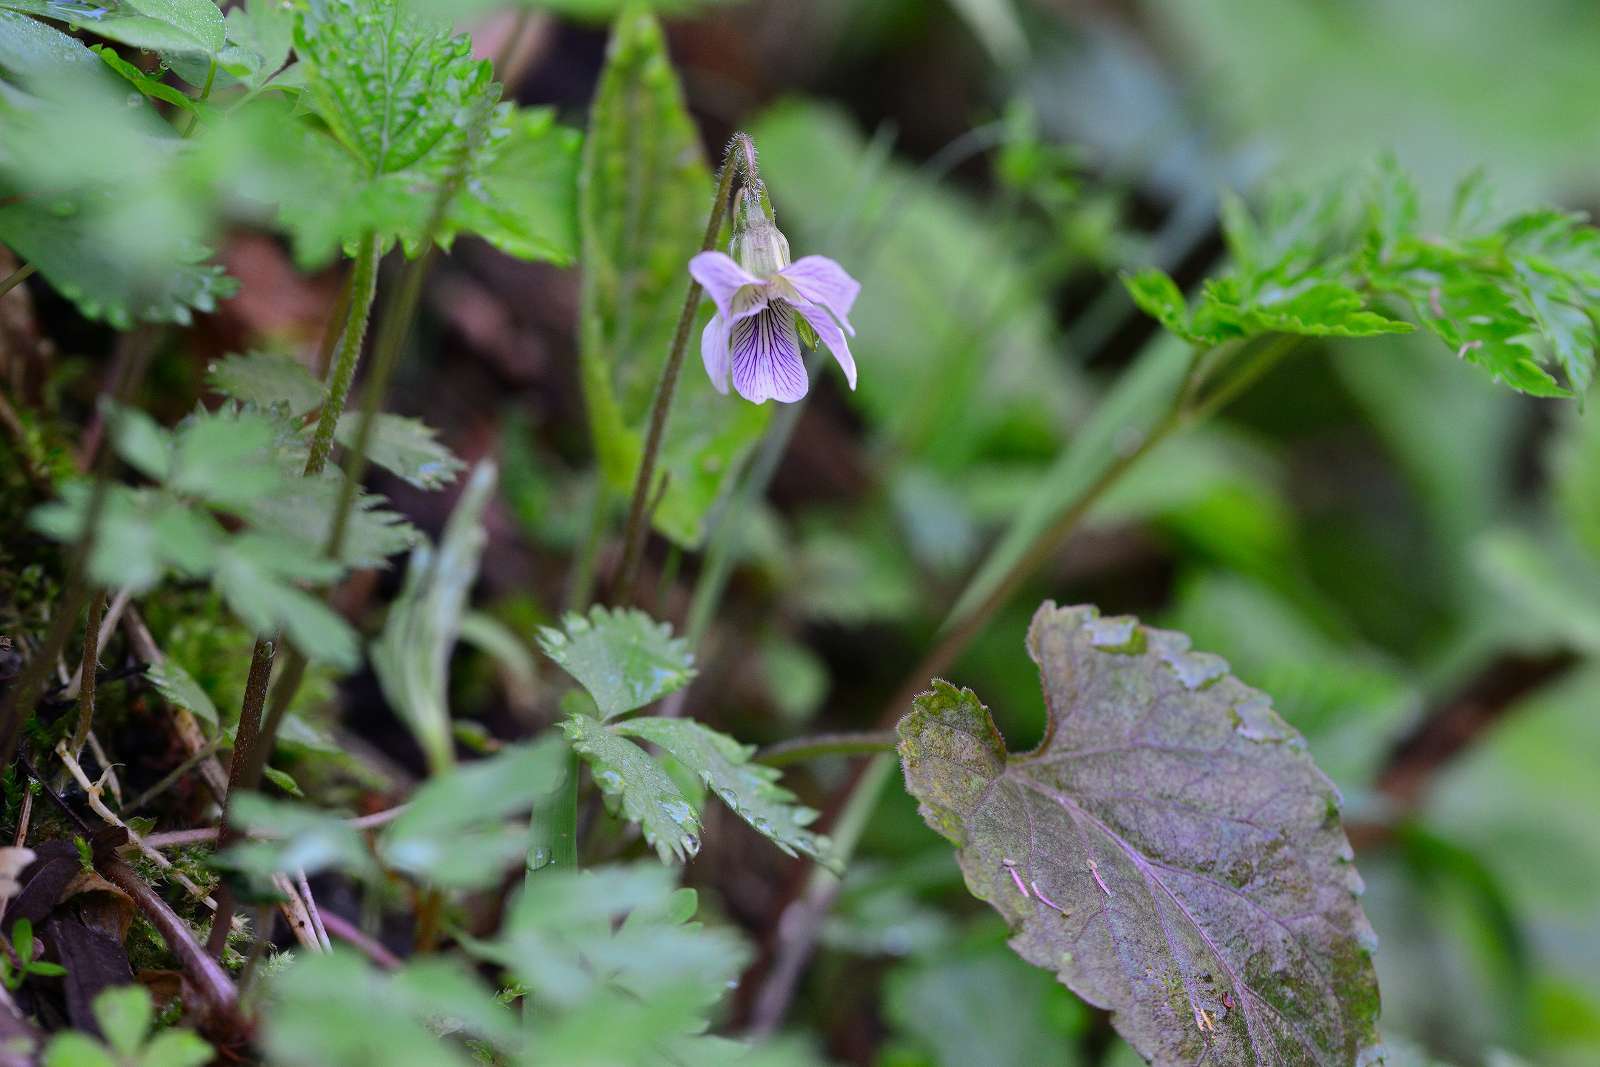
(1170, 850)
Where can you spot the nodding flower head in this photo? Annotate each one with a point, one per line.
(758, 293)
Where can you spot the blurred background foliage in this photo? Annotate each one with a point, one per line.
(1404, 554)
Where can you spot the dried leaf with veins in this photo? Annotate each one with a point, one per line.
(1170, 849)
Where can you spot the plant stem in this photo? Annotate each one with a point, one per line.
(580, 589)
(804, 749)
(363, 287)
(797, 928)
(247, 741)
(88, 670)
(16, 278)
(738, 160)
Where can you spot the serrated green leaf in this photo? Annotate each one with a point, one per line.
(643, 191)
(266, 379)
(621, 656)
(262, 31)
(645, 792)
(66, 242)
(412, 657)
(454, 833)
(224, 458)
(1170, 850)
(407, 448)
(142, 534)
(87, 186)
(153, 25)
(563, 940)
(179, 687)
(1157, 295)
(522, 193)
(302, 510)
(256, 574)
(750, 790)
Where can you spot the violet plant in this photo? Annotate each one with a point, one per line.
(1170, 851)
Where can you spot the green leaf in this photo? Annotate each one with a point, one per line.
(643, 192)
(1158, 296)
(405, 447)
(149, 86)
(412, 657)
(750, 790)
(266, 379)
(176, 1048)
(284, 781)
(124, 1014)
(1170, 850)
(87, 185)
(632, 778)
(295, 837)
(255, 574)
(563, 940)
(65, 240)
(621, 656)
(302, 510)
(454, 833)
(73, 1049)
(981, 1004)
(334, 1008)
(22, 941)
(412, 115)
(180, 688)
(142, 534)
(260, 34)
(224, 459)
(153, 25)
(522, 194)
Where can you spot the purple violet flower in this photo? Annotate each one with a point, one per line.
(758, 292)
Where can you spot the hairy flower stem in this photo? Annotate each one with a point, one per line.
(363, 287)
(88, 670)
(738, 162)
(254, 739)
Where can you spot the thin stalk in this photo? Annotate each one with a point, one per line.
(252, 747)
(16, 278)
(738, 160)
(363, 287)
(581, 588)
(247, 740)
(805, 749)
(802, 918)
(174, 776)
(88, 670)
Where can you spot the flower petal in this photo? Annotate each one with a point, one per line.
(714, 352)
(766, 357)
(829, 333)
(736, 292)
(822, 281)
